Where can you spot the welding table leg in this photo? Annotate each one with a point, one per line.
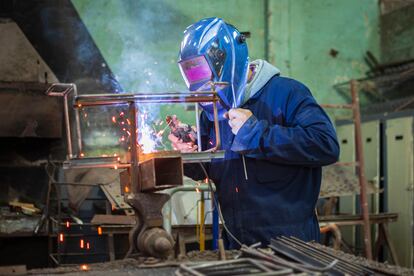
(384, 236)
(110, 237)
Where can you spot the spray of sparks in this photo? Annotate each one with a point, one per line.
(149, 130)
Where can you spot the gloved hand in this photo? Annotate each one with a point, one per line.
(178, 144)
(237, 117)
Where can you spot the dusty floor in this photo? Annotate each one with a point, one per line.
(150, 266)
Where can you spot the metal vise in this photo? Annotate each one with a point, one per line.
(156, 172)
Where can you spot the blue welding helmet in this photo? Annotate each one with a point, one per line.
(215, 51)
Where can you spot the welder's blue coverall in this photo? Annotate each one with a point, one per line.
(285, 143)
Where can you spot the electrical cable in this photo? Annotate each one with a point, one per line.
(217, 205)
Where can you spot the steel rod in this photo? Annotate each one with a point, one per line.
(318, 254)
(111, 99)
(361, 170)
(67, 126)
(197, 111)
(135, 184)
(77, 122)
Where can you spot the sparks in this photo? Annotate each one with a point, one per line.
(84, 267)
(82, 154)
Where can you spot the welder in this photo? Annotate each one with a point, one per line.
(275, 136)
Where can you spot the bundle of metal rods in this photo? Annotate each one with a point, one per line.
(298, 268)
(307, 254)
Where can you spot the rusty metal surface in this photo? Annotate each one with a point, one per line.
(361, 169)
(355, 219)
(28, 112)
(113, 219)
(161, 173)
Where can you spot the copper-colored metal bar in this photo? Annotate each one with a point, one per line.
(134, 170)
(77, 122)
(197, 111)
(216, 128)
(343, 106)
(110, 99)
(65, 90)
(67, 126)
(361, 169)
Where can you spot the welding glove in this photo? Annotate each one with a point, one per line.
(178, 144)
(237, 117)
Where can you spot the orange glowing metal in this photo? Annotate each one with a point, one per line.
(67, 224)
(79, 105)
(84, 267)
(61, 238)
(126, 189)
(82, 243)
(99, 230)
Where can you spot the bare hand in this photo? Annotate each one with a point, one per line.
(237, 117)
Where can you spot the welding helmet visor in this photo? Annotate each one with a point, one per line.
(196, 72)
(213, 51)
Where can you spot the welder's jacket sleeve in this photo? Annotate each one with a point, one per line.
(306, 136)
